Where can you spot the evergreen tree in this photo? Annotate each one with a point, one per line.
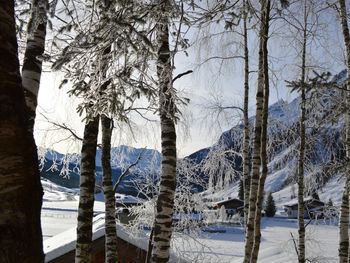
(330, 202)
(315, 195)
(270, 207)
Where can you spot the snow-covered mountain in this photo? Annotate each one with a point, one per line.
(64, 169)
(324, 149)
(220, 164)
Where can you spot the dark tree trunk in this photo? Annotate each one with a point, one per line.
(87, 190)
(20, 187)
(110, 224)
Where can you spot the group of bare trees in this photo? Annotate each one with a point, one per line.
(114, 53)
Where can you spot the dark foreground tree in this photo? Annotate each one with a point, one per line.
(20, 187)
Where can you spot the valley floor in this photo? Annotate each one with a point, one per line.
(226, 245)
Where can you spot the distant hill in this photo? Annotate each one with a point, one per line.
(64, 169)
(219, 166)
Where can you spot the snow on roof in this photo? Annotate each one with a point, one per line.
(128, 199)
(65, 242)
(295, 201)
(229, 200)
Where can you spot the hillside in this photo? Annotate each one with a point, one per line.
(324, 150)
(219, 166)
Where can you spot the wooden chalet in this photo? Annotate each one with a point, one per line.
(232, 206)
(61, 248)
(127, 253)
(311, 207)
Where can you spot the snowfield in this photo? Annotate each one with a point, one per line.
(226, 245)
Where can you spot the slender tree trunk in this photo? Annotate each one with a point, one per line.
(263, 152)
(253, 195)
(32, 64)
(110, 225)
(87, 190)
(165, 203)
(301, 160)
(246, 161)
(150, 247)
(20, 187)
(344, 209)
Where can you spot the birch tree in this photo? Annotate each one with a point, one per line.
(259, 158)
(106, 63)
(33, 57)
(246, 137)
(87, 191)
(256, 158)
(110, 225)
(165, 202)
(21, 191)
(344, 210)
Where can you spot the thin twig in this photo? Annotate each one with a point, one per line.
(126, 172)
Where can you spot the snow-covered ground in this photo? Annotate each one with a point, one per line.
(276, 247)
(59, 215)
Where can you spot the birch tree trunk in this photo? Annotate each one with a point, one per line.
(246, 161)
(32, 64)
(254, 184)
(263, 152)
(110, 224)
(87, 190)
(301, 160)
(165, 203)
(344, 209)
(20, 187)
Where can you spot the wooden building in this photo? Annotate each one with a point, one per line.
(232, 206)
(127, 253)
(311, 206)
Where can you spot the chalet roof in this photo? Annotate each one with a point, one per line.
(307, 200)
(128, 199)
(65, 242)
(223, 202)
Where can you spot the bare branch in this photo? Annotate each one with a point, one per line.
(182, 74)
(126, 172)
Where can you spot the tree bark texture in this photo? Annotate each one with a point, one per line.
(301, 160)
(263, 150)
(165, 202)
(344, 209)
(246, 161)
(32, 63)
(87, 190)
(20, 186)
(110, 224)
(257, 143)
